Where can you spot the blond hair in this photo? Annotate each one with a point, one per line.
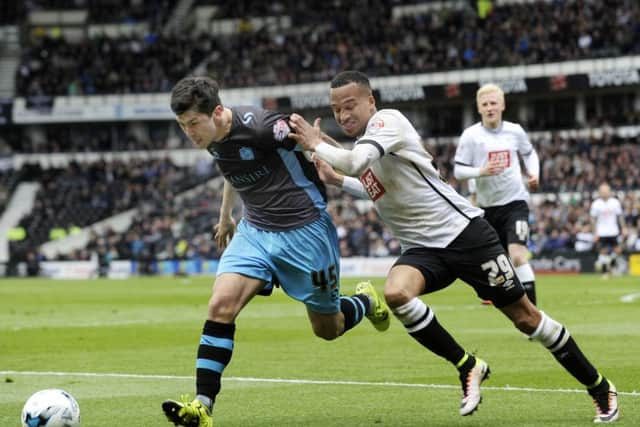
(490, 88)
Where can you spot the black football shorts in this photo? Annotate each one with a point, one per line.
(476, 257)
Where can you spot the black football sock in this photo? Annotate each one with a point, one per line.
(214, 354)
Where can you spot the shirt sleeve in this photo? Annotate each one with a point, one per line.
(384, 132)
(464, 151)
(275, 127)
(619, 211)
(354, 187)
(382, 136)
(524, 144)
(472, 186)
(351, 162)
(528, 153)
(463, 167)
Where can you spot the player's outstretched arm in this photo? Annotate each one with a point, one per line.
(326, 138)
(306, 135)
(492, 167)
(351, 162)
(328, 175)
(462, 172)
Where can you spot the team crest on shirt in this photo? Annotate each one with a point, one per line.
(372, 185)
(246, 153)
(248, 118)
(280, 130)
(503, 157)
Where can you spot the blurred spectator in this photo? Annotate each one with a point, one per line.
(632, 243)
(557, 240)
(33, 264)
(584, 239)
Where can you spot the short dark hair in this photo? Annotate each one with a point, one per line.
(195, 93)
(350, 76)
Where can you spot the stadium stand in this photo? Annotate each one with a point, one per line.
(406, 44)
(82, 194)
(92, 137)
(583, 136)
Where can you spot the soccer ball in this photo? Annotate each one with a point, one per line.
(51, 408)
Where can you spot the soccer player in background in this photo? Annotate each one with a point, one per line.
(443, 237)
(608, 224)
(286, 236)
(488, 153)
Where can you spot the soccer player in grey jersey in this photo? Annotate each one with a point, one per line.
(443, 238)
(286, 236)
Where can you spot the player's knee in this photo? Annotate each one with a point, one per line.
(525, 325)
(396, 295)
(519, 256)
(326, 332)
(519, 260)
(223, 309)
(328, 336)
(527, 322)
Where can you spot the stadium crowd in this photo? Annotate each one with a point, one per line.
(90, 137)
(162, 231)
(312, 50)
(82, 194)
(184, 230)
(170, 225)
(562, 225)
(85, 193)
(568, 162)
(573, 163)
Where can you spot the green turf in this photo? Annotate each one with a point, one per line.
(150, 327)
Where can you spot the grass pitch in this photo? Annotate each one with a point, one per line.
(122, 347)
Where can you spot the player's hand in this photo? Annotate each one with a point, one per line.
(224, 231)
(304, 134)
(327, 174)
(492, 167)
(533, 182)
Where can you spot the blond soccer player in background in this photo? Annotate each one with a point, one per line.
(488, 153)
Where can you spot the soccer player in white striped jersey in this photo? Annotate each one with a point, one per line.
(443, 237)
(488, 153)
(608, 223)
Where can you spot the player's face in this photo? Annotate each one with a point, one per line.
(352, 105)
(490, 107)
(604, 191)
(201, 128)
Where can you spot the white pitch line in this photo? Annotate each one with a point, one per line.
(299, 381)
(630, 297)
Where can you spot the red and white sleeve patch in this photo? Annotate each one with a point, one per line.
(372, 185)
